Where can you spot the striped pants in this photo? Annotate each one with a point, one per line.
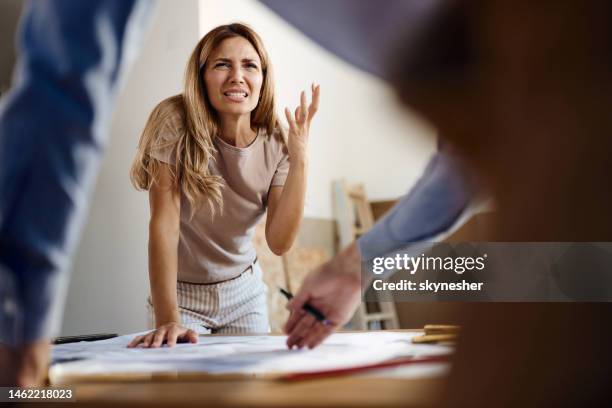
(236, 306)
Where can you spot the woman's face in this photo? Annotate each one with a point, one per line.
(233, 77)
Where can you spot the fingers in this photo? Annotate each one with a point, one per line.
(173, 333)
(304, 112)
(301, 330)
(294, 318)
(144, 340)
(309, 332)
(314, 105)
(295, 306)
(303, 109)
(290, 119)
(158, 338)
(135, 341)
(318, 333)
(189, 336)
(182, 336)
(148, 339)
(297, 116)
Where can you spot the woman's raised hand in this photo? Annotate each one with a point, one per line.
(299, 124)
(169, 333)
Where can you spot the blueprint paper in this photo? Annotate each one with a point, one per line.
(247, 355)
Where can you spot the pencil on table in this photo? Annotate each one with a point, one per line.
(441, 329)
(435, 333)
(434, 338)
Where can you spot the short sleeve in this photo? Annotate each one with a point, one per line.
(282, 169)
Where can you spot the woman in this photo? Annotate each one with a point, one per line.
(214, 159)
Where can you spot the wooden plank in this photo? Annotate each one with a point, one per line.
(343, 214)
(273, 277)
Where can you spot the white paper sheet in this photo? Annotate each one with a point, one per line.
(249, 355)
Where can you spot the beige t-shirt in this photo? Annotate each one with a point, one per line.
(214, 249)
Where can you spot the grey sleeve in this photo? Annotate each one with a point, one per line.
(434, 204)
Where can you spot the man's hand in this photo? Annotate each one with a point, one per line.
(334, 289)
(169, 333)
(24, 366)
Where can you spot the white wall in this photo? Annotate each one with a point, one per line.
(110, 281)
(359, 133)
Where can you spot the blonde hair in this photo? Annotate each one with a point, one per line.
(193, 145)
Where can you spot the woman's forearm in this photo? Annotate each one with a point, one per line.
(163, 263)
(285, 221)
(285, 212)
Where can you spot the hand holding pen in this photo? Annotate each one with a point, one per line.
(334, 291)
(308, 308)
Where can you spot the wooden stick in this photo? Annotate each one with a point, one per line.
(441, 329)
(434, 338)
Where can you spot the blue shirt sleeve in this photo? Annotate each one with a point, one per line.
(432, 206)
(53, 130)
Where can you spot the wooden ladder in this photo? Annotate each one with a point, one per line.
(354, 217)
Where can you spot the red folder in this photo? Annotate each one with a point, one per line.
(311, 375)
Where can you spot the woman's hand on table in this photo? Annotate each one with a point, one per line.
(169, 333)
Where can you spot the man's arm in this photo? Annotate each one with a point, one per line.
(433, 206)
(53, 130)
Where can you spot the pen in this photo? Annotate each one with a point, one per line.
(86, 337)
(308, 308)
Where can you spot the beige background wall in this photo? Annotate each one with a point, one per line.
(110, 281)
(359, 134)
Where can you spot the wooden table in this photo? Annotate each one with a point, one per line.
(352, 392)
(364, 390)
